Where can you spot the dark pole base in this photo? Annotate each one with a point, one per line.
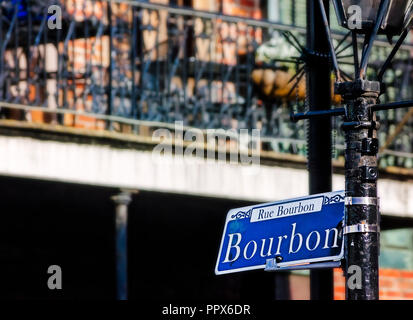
(122, 201)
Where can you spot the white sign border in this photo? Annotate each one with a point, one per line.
(282, 264)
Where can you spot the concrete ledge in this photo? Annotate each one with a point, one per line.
(125, 161)
(134, 141)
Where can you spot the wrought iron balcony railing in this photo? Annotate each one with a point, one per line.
(130, 65)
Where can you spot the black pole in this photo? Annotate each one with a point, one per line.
(362, 215)
(362, 211)
(319, 130)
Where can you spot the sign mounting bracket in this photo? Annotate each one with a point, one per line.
(272, 265)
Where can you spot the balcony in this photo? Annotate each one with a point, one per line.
(134, 67)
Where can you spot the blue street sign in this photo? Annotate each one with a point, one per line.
(295, 232)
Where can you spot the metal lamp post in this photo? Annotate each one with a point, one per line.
(392, 23)
(361, 95)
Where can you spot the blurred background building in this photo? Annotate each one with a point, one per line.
(78, 109)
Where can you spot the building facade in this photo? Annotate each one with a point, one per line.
(87, 104)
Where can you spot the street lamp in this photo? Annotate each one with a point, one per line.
(361, 96)
(395, 19)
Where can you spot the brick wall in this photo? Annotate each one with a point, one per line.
(242, 8)
(205, 5)
(394, 284)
